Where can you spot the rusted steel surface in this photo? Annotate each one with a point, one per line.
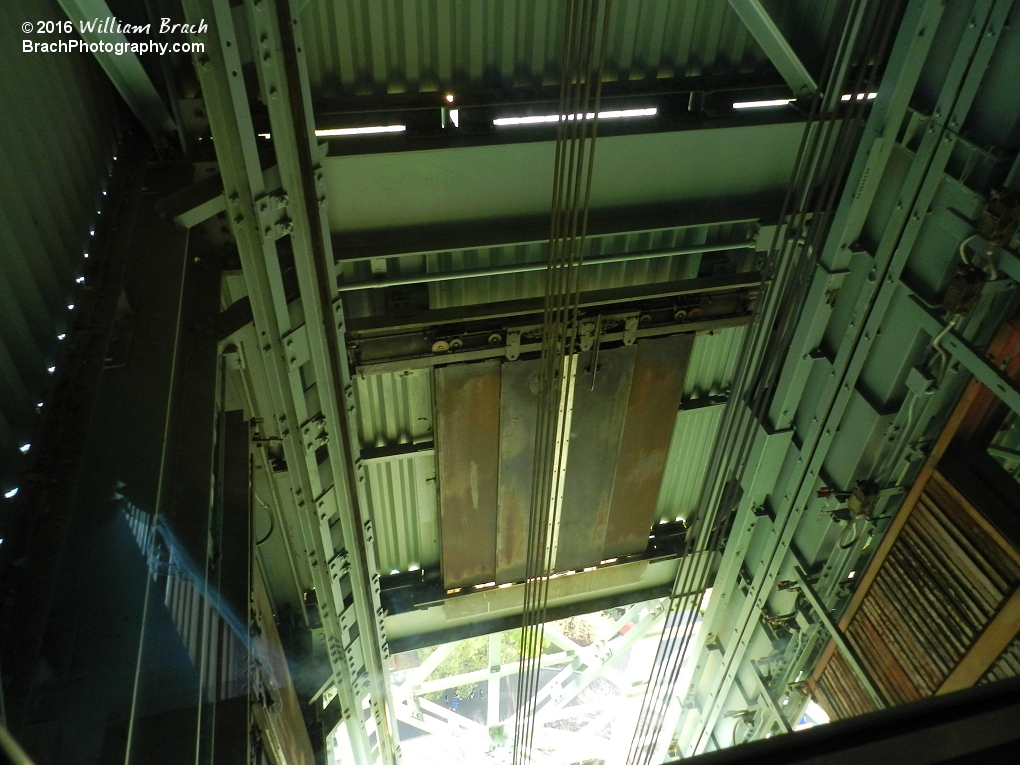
(596, 428)
(518, 419)
(467, 442)
(937, 612)
(655, 394)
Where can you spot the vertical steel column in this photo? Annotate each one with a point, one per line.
(309, 424)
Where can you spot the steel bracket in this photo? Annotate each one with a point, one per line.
(271, 211)
(295, 344)
(513, 346)
(630, 330)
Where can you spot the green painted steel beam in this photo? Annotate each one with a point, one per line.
(765, 32)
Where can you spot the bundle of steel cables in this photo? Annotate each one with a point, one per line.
(585, 39)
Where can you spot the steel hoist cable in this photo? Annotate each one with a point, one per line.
(819, 174)
(577, 130)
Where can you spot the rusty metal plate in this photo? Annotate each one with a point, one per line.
(467, 443)
(655, 394)
(517, 423)
(596, 427)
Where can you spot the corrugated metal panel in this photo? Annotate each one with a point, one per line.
(58, 134)
(394, 408)
(389, 46)
(688, 460)
(608, 276)
(485, 289)
(714, 363)
(402, 500)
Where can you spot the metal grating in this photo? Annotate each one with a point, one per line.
(402, 500)
(56, 156)
(688, 461)
(419, 46)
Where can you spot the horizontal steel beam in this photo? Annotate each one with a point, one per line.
(509, 309)
(521, 268)
(351, 246)
(442, 359)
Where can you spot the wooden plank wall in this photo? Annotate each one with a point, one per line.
(941, 599)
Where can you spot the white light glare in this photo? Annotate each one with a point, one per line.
(86, 254)
(24, 448)
(104, 193)
(449, 98)
(51, 370)
(80, 280)
(361, 130)
(860, 96)
(70, 306)
(851, 575)
(413, 567)
(762, 104)
(609, 115)
(11, 493)
(92, 232)
(455, 117)
(395, 571)
(61, 336)
(333, 132)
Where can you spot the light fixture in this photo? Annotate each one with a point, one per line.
(763, 104)
(395, 571)
(61, 336)
(92, 232)
(449, 98)
(39, 405)
(70, 306)
(455, 117)
(331, 132)
(51, 370)
(860, 96)
(413, 567)
(80, 280)
(104, 192)
(11, 493)
(24, 448)
(537, 119)
(86, 254)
